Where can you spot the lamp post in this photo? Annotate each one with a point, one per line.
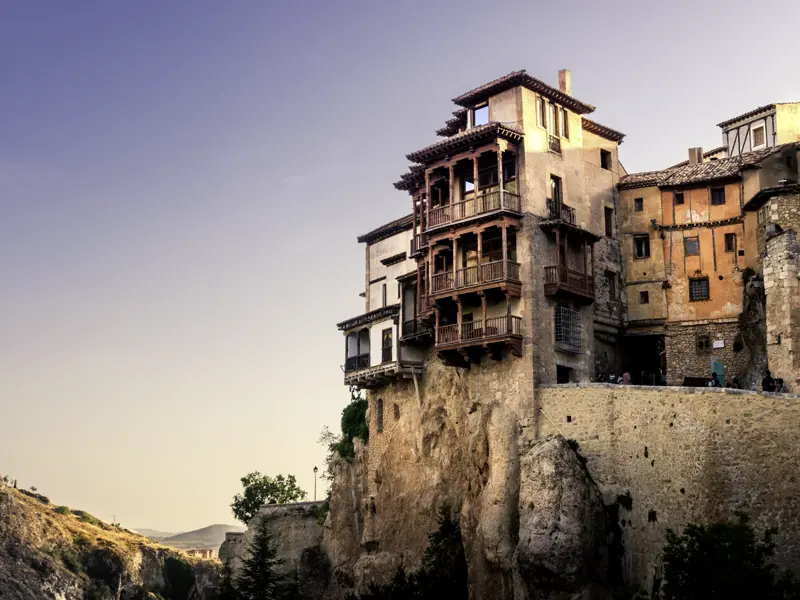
(315, 484)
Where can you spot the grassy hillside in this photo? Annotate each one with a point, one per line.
(207, 537)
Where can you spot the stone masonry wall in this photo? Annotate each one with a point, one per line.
(685, 360)
(683, 455)
(782, 287)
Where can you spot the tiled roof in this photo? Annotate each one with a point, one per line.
(723, 168)
(751, 113)
(411, 179)
(388, 230)
(760, 197)
(705, 155)
(521, 78)
(463, 140)
(373, 315)
(454, 125)
(602, 130)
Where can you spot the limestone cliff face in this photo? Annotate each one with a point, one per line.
(49, 554)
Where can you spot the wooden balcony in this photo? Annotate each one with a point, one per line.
(560, 280)
(414, 330)
(558, 211)
(475, 277)
(356, 363)
(476, 333)
(419, 242)
(474, 207)
(367, 377)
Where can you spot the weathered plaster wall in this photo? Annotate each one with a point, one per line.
(390, 246)
(683, 455)
(788, 122)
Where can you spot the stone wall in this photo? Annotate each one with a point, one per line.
(782, 287)
(682, 455)
(684, 359)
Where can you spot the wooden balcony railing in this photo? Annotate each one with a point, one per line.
(561, 212)
(478, 331)
(485, 202)
(554, 143)
(474, 276)
(418, 242)
(412, 328)
(356, 363)
(561, 278)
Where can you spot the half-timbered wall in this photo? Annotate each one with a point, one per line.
(738, 138)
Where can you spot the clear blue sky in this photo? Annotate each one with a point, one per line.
(182, 183)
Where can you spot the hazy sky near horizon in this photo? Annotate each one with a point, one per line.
(182, 183)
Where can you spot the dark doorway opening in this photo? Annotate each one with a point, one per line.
(644, 356)
(563, 374)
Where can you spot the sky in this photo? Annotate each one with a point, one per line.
(182, 184)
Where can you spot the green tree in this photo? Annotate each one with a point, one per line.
(259, 579)
(444, 565)
(227, 584)
(260, 490)
(723, 560)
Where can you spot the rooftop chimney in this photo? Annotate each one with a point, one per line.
(695, 156)
(564, 83)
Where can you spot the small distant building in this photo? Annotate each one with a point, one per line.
(762, 128)
(209, 553)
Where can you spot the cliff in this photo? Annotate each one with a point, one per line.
(51, 552)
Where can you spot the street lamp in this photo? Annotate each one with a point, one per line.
(315, 484)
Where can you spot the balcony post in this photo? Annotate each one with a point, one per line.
(508, 312)
(418, 294)
(558, 256)
(478, 209)
(480, 251)
(413, 222)
(505, 251)
(455, 262)
(500, 175)
(429, 271)
(427, 198)
(458, 303)
(483, 311)
(436, 329)
(585, 270)
(452, 173)
(592, 266)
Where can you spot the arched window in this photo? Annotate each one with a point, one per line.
(380, 415)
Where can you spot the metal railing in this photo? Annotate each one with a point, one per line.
(560, 211)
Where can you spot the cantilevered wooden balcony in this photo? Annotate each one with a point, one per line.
(505, 329)
(561, 280)
(367, 377)
(494, 201)
(475, 278)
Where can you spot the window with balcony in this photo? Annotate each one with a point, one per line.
(605, 159)
(556, 194)
(641, 246)
(730, 242)
(568, 329)
(386, 345)
(717, 196)
(698, 289)
(691, 246)
(357, 350)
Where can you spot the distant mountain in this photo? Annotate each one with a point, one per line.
(207, 537)
(154, 534)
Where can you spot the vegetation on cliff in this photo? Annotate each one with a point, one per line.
(353, 425)
(260, 490)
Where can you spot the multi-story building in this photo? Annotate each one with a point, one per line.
(687, 243)
(513, 250)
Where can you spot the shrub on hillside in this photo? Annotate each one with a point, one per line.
(32, 494)
(62, 510)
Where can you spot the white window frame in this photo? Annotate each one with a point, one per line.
(753, 127)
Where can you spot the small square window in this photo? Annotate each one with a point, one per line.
(759, 137)
(605, 159)
(641, 246)
(677, 198)
(481, 115)
(717, 196)
(703, 344)
(698, 289)
(730, 242)
(644, 297)
(638, 204)
(691, 246)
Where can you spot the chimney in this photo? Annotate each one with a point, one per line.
(564, 83)
(695, 156)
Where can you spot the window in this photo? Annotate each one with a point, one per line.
(552, 119)
(638, 204)
(541, 117)
(555, 189)
(383, 291)
(691, 246)
(730, 242)
(717, 196)
(759, 137)
(396, 412)
(379, 415)
(609, 214)
(568, 329)
(480, 115)
(641, 246)
(644, 297)
(509, 170)
(703, 344)
(677, 198)
(386, 345)
(467, 185)
(605, 159)
(698, 289)
(564, 123)
(611, 279)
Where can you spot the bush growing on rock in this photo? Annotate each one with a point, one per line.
(260, 490)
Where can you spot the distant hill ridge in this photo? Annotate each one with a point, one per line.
(207, 537)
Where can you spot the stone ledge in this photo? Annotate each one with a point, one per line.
(670, 388)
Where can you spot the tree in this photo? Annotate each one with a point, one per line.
(227, 585)
(444, 565)
(259, 579)
(723, 560)
(260, 490)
